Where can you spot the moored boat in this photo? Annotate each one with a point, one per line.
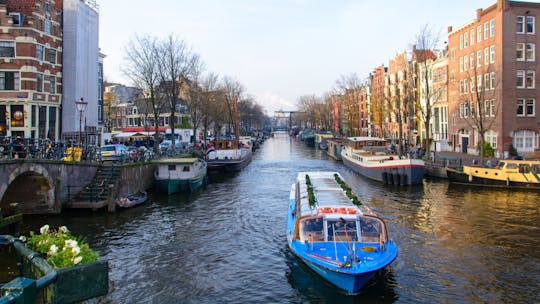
(335, 145)
(367, 156)
(504, 174)
(320, 138)
(180, 174)
(344, 242)
(227, 155)
(132, 200)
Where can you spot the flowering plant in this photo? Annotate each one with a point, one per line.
(61, 248)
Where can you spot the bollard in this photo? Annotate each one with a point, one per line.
(111, 204)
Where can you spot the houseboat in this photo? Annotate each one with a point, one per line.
(368, 156)
(227, 155)
(335, 145)
(334, 233)
(180, 174)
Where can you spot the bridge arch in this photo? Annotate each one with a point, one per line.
(32, 187)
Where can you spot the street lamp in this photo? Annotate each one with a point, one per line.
(81, 107)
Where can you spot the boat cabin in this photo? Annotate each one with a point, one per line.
(224, 144)
(333, 216)
(371, 144)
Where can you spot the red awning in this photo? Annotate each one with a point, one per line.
(141, 129)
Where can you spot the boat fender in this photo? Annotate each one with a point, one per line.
(391, 158)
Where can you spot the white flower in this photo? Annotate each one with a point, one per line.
(77, 260)
(44, 229)
(22, 238)
(76, 250)
(63, 229)
(70, 243)
(53, 250)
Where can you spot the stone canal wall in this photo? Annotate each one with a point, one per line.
(135, 177)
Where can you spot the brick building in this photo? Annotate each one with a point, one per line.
(30, 68)
(492, 86)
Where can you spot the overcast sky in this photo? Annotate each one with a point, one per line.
(281, 49)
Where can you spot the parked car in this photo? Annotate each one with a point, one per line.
(116, 152)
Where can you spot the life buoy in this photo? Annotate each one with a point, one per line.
(326, 210)
(347, 210)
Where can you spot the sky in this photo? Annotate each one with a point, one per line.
(280, 50)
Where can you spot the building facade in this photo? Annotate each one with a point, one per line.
(30, 68)
(80, 66)
(492, 67)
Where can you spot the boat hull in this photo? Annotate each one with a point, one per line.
(459, 177)
(398, 172)
(180, 185)
(229, 165)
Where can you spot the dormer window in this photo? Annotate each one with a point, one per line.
(134, 111)
(18, 18)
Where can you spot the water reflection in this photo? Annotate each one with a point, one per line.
(226, 243)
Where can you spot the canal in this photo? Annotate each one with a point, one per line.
(226, 243)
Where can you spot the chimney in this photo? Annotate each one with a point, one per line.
(479, 13)
(449, 29)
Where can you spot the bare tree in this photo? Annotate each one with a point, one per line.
(195, 101)
(348, 87)
(426, 42)
(233, 91)
(142, 68)
(176, 64)
(478, 107)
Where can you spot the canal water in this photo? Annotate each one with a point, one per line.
(226, 243)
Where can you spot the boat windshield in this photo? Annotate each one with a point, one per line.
(312, 229)
(372, 229)
(341, 230)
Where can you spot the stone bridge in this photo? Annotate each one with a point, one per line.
(48, 186)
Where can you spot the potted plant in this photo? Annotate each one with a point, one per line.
(81, 274)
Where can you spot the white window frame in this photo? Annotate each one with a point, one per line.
(486, 81)
(465, 40)
(39, 82)
(492, 81)
(16, 80)
(471, 35)
(52, 84)
(461, 42)
(479, 33)
(530, 52)
(492, 54)
(472, 60)
(492, 28)
(530, 20)
(520, 24)
(530, 78)
(479, 83)
(520, 79)
(491, 138)
(520, 51)
(8, 45)
(461, 64)
(520, 110)
(486, 30)
(486, 56)
(530, 103)
(42, 48)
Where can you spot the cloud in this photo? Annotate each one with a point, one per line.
(272, 102)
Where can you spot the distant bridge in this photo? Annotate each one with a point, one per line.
(48, 186)
(285, 115)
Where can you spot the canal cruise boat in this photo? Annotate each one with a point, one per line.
(368, 156)
(522, 174)
(334, 233)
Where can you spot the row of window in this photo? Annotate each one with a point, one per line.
(466, 61)
(10, 81)
(468, 85)
(522, 140)
(7, 50)
(468, 38)
(471, 108)
(525, 25)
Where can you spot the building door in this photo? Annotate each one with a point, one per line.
(464, 144)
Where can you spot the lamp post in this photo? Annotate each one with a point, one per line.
(81, 107)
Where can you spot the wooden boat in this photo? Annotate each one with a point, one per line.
(180, 174)
(227, 155)
(368, 157)
(344, 242)
(132, 200)
(504, 174)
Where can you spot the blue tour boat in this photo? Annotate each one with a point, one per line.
(336, 235)
(180, 174)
